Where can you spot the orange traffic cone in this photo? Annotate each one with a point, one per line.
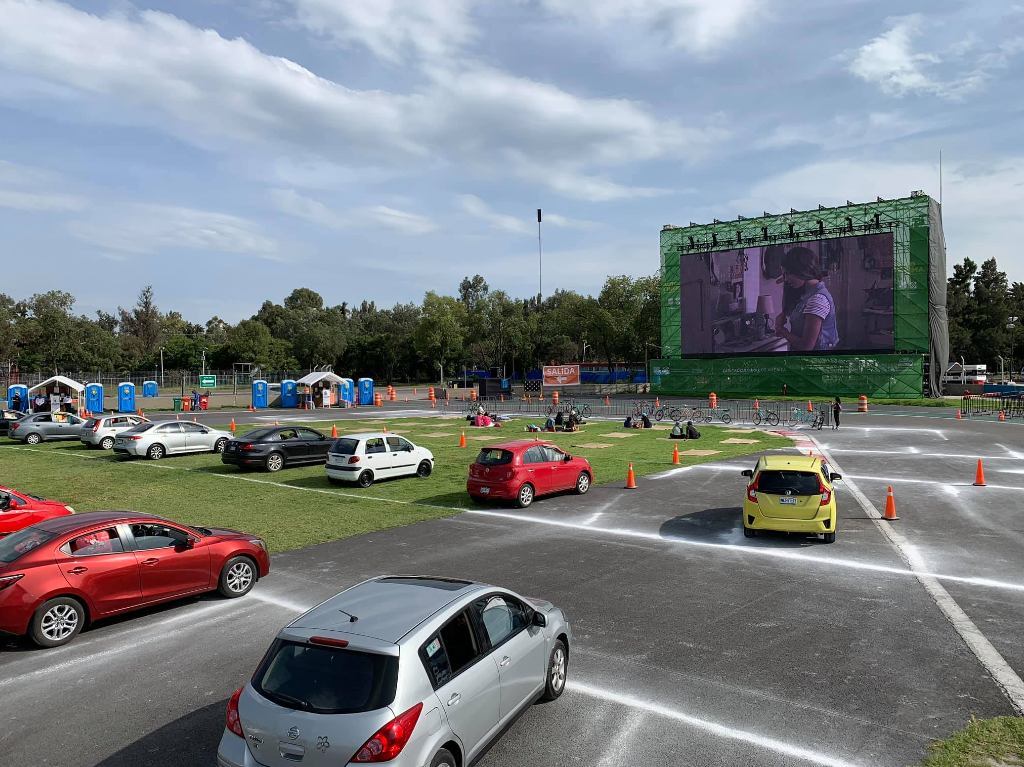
(657, 401)
(385, 428)
(607, 401)
(251, 408)
(979, 475)
(433, 403)
(233, 427)
(195, 419)
(890, 506)
(630, 479)
(462, 440)
(177, 417)
(810, 407)
(675, 454)
(276, 422)
(334, 431)
(142, 413)
(959, 415)
(757, 404)
(1002, 415)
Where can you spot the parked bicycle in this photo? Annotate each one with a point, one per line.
(769, 417)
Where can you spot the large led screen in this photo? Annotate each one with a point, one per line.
(827, 296)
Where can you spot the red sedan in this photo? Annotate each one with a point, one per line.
(62, 573)
(18, 510)
(525, 469)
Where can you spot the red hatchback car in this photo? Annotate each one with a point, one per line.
(62, 573)
(18, 510)
(525, 469)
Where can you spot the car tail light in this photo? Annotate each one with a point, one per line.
(95, 426)
(752, 491)
(231, 719)
(353, 459)
(133, 437)
(7, 581)
(388, 742)
(15, 426)
(329, 641)
(826, 494)
(248, 446)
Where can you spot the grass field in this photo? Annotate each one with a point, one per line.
(298, 507)
(995, 742)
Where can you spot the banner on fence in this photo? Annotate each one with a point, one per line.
(561, 375)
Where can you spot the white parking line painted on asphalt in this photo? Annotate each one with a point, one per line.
(938, 432)
(284, 602)
(997, 667)
(914, 452)
(812, 756)
(593, 518)
(621, 746)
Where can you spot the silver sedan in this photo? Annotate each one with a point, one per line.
(412, 671)
(155, 440)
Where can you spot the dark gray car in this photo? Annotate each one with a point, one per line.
(40, 427)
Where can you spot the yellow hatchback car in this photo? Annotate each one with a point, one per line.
(790, 494)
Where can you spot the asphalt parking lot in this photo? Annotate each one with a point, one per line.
(693, 645)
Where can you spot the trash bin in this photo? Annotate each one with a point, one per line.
(186, 404)
(204, 401)
(177, 404)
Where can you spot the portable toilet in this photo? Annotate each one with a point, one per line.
(22, 391)
(149, 389)
(346, 390)
(94, 397)
(365, 391)
(260, 394)
(289, 393)
(126, 397)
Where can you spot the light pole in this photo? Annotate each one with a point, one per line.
(585, 347)
(161, 367)
(1012, 327)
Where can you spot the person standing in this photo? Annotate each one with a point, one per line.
(195, 401)
(837, 408)
(16, 401)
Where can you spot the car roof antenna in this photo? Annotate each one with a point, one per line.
(351, 618)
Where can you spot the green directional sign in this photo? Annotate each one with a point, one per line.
(207, 382)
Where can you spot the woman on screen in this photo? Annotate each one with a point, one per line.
(807, 305)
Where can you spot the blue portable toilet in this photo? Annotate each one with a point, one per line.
(289, 393)
(365, 391)
(22, 391)
(260, 394)
(149, 388)
(126, 397)
(346, 390)
(94, 397)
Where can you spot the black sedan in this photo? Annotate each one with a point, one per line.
(276, 447)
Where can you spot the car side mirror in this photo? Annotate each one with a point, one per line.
(539, 619)
(186, 544)
(833, 477)
(747, 473)
(567, 457)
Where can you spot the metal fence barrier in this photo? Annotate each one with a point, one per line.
(1010, 405)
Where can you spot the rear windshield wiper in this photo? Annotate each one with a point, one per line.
(298, 703)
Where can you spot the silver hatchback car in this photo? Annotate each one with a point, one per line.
(412, 671)
(100, 430)
(154, 440)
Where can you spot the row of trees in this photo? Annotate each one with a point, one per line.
(479, 328)
(982, 305)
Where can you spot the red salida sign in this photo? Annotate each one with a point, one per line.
(561, 375)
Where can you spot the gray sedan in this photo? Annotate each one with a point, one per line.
(40, 427)
(414, 671)
(155, 440)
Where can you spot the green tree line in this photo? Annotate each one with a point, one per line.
(479, 328)
(982, 305)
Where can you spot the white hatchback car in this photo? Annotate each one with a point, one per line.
(363, 458)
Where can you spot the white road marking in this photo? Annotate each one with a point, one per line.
(1005, 677)
(812, 756)
(621, 747)
(913, 451)
(287, 604)
(938, 432)
(593, 518)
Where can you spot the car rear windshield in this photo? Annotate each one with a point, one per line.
(493, 457)
(326, 680)
(258, 434)
(345, 446)
(22, 542)
(90, 422)
(143, 427)
(795, 482)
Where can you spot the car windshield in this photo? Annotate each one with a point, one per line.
(490, 456)
(22, 542)
(345, 446)
(142, 427)
(258, 434)
(794, 482)
(326, 680)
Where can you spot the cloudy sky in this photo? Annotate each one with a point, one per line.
(229, 151)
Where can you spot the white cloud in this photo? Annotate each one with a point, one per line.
(31, 190)
(477, 208)
(144, 229)
(568, 223)
(224, 94)
(37, 201)
(391, 29)
(399, 220)
(890, 62)
(846, 131)
(301, 206)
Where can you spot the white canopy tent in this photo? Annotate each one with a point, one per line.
(58, 382)
(312, 379)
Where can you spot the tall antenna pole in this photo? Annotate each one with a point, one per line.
(540, 261)
(940, 177)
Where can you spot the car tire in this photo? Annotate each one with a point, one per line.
(829, 538)
(749, 532)
(365, 479)
(274, 462)
(557, 673)
(525, 496)
(57, 622)
(107, 443)
(443, 758)
(424, 469)
(156, 452)
(33, 439)
(219, 445)
(582, 483)
(237, 577)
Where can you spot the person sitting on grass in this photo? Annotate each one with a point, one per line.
(571, 424)
(647, 421)
(691, 431)
(677, 431)
(628, 423)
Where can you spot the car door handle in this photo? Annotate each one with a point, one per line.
(504, 661)
(151, 561)
(454, 699)
(77, 570)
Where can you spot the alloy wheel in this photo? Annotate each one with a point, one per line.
(239, 577)
(558, 672)
(525, 495)
(107, 443)
(582, 484)
(59, 622)
(275, 462)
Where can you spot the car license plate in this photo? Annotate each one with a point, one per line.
(233, 448)
(119, 441)
(485, 490)
(787, 500)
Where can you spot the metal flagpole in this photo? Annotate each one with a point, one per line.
(540, 261)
